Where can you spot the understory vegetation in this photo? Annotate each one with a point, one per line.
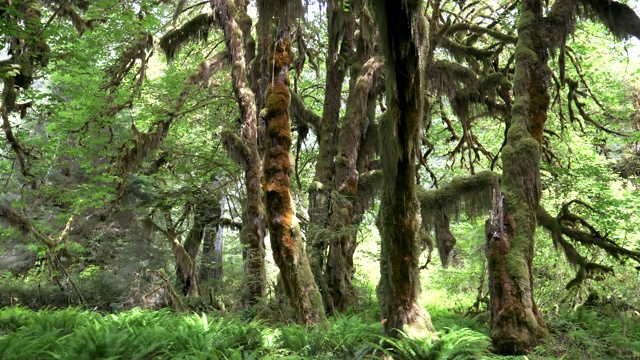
(75, 333)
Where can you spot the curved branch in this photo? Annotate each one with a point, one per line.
(567, 225)
(498, 35)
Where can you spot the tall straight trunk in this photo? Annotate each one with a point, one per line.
(516, 324)
(353, 125)
(402, 31)
(284, 230)
(253, 219)
(339, 22)
(212, 240)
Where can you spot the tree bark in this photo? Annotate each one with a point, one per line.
(445, 241)
(402, 30)
(516, 324)
(339, 271)
(191, 246)
(253, 219)
(284, 230)
(340, 48)
(212, 242)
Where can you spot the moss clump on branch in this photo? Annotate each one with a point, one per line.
(471, 194)
(196, 29)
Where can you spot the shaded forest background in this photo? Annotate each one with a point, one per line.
(381, 170)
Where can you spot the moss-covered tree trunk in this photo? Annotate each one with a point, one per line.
(353, 125)
(284, 230)
(253, 219)
(192, 246)
(445, 241)
(516, 324)
(210, 273)
(402, 31)
(340, 37)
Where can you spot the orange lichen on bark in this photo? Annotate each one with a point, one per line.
(277, 163)
(538, 105)
(286, 242)
(282, 56)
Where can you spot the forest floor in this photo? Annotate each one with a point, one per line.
(75, 333)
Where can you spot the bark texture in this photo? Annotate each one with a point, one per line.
(516, 325)
(340, 37)
(353, 126)
(253, 219)
(284, 230)
(402, 30)
(212, 240)
(445, 241)
(192, 246)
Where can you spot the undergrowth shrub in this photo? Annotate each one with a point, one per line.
(104, 291)
(451, 344)
(589, 334)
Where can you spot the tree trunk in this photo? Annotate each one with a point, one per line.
(284, 230)
(191, 246)
(399, 288)
(339, 22)
(253, 219)
(212, 241)
(445, 241)
(339, 271)
(516, 324)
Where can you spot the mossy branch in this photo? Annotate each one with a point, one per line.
(619, 18)
(470, 193)
(448, 76)
(139, 50)
(571, 226)
(175, 298)
(208, 68)
(300, 112)
(196, 29)
(231, 224)
(143, 144)
(498, 35)
(18, 148)
(183, 260)
(22, 224)
(236, 147)
(369, 186)
(65, 10)
(460, 51)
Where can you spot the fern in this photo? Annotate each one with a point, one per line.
(447, 345)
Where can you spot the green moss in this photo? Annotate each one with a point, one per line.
(527, 20)
(316, 186)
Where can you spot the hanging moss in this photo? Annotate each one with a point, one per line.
(236, 148)
(448, 76)
(196, 29)
(619, 18)
(445, 241)
(402, 30)
(470, 195)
